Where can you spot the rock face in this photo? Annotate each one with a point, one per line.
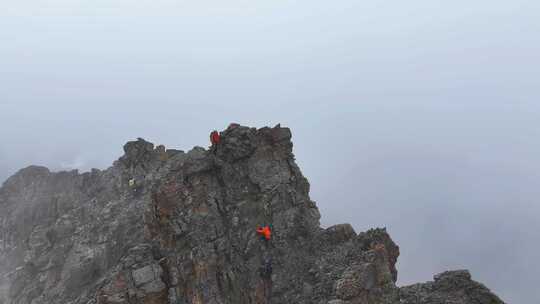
(165, 226)
(448, 287)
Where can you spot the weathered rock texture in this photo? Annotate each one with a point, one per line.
(164, 226)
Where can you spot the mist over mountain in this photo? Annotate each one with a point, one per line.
(422, 112)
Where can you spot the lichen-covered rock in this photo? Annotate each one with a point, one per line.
(164, 226)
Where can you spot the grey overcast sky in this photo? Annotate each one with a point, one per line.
(421, 116)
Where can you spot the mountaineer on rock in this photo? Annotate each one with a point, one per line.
(265, 233)
(215, 137)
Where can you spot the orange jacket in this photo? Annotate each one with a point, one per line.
(265, 232)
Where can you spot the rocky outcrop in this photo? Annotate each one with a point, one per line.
(449, 287)
(166, 226)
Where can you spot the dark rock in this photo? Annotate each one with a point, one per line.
(164, 226)
(449, 287)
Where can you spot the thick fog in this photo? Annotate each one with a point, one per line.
(421, 116)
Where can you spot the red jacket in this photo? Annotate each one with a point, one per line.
(215, 137)
(265, 232)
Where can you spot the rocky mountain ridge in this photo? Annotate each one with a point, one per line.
(167, 226)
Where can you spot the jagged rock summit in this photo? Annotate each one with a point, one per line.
(165, 226)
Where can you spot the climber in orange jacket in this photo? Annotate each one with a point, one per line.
(265, 233)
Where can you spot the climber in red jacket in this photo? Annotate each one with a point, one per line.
(265, 233)
(215, 138)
